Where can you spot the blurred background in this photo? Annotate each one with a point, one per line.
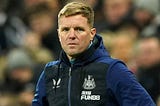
(28, 40)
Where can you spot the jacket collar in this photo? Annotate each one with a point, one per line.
(91, 54)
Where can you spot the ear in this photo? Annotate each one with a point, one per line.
(93, 33)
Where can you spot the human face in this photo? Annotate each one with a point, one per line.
(75, 34)
(115, 10)
(148, 52)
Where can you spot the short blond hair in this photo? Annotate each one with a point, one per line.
(76, 8)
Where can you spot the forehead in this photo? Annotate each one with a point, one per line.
(73, 20)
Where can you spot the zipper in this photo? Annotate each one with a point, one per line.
(69, 87)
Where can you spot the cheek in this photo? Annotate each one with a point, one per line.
(63, 42)
(86, 37)
(61, 39)
(85, 41)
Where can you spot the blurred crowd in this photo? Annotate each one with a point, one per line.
(28, 40)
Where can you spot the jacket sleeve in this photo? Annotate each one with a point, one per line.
(126, 89)
(40, 92)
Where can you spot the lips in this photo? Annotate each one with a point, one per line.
(72, 44)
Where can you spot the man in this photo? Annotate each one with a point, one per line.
(117, 14)
(85, 74)
(148, 65)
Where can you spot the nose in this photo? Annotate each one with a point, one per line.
(71, 34)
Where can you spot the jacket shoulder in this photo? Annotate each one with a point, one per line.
(52, 63)
(111, 61)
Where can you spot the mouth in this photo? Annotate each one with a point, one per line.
(72, 44)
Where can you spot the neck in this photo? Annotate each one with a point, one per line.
(74, 57)
(70, 57)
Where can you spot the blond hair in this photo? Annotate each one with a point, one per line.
(76, 8)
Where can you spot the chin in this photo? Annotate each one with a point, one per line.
(74, 54)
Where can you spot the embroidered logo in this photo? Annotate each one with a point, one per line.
(89, 83)
(56, 84)
(88, 94)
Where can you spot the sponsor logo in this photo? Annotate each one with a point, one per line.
(87, 95)
(56, 84)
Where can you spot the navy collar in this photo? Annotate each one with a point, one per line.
(82, 58)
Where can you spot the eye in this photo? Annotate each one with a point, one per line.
(79, 29)
(65, 29)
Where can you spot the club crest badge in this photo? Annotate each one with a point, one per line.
(89, 83)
